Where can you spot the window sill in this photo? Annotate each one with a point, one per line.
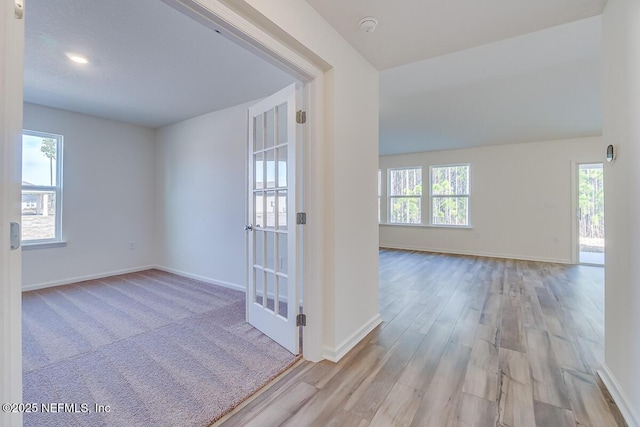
(456, 227)
(43, 245)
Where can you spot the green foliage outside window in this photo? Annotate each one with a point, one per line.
(405, 196)
(450, 195)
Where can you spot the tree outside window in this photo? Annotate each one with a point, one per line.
(450, 195)
(405, 196)
(41, 187)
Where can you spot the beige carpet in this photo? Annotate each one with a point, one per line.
(158, 349)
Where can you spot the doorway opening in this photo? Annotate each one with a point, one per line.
(591, 233)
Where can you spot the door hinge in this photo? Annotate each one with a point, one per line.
(301, 320)
(301, 117)
(301, 218)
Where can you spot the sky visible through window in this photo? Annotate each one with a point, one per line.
(36, 168)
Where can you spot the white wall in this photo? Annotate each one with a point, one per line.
(621, 127)
(520, 205)
(349, 270)
(201, 196)
(108, 198)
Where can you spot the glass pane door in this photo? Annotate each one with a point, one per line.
(272, 286)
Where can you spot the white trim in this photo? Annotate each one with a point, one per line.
(218, 16)
(77, 279)
(482, 254)
(401, 224)
(204, 279)
(43, 245)
(335, 354)
(575, 224)
(104, 275)
(614, 389)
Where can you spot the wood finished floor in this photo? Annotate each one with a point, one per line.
(466, 341)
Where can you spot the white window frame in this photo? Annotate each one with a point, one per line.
(467, 195)
(57, 189)
(390, 197)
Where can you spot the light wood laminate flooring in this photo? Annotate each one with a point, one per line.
(466, 341)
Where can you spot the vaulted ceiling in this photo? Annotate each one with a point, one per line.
(462, 73)
(414, 30)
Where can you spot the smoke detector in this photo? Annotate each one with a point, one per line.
(368, 24)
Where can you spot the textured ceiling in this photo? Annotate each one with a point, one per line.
(413, 30)
(535, 87)
(150, 64)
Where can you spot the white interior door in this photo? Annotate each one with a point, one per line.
(272, 291)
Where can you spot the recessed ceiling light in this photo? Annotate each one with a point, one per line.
(77, 58)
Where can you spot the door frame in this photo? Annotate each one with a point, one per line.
(575, 208)
(245, 28)
(11, 61)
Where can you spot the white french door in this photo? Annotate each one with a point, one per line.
(272, 288)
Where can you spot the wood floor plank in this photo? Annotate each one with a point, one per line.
(476, 412)
(399, 407)
(465, 331)
(439, 404)
(591, 353)
(466, 341)
(481, 379)
(491, 310)
(588, 403)
(566, 353)
(427, 318)
(328, 400)
(549, 415)
(548, 385)
(282, 409)
(515, 400)
(368, 397)
(512, 334)
(533, 317)
(346, 418)
(422, 366)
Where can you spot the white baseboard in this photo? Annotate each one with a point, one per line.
(482, 254)
(619, 397)
(76, 279)
(335, 354)
(204, 279)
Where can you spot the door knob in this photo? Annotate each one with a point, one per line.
(248, 227)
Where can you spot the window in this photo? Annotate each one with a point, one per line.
(450, 195)
(405, 196)
(41, 187)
